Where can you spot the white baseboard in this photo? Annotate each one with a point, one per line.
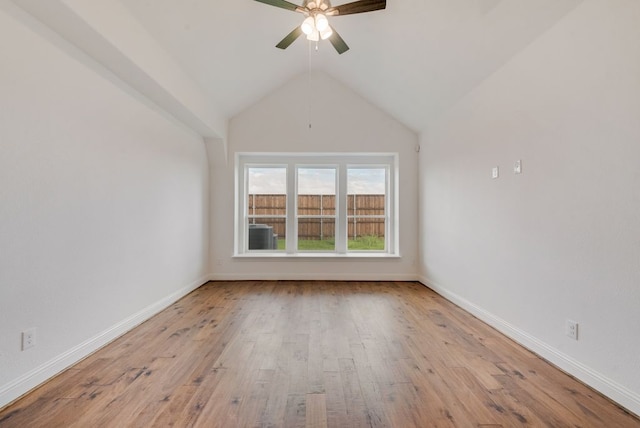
(325, 276)
(628, 399)
(25, 383)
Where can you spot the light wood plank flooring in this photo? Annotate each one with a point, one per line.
(314, 354)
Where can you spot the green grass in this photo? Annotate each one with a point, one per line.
(362, 243)
(316, 244)
(368, 242)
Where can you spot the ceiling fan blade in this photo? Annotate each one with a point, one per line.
(281, 3)
(338, 42)
(290, 38)
(357, 7)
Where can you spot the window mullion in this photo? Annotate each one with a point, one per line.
(242, 224)
(389, 210)
(341, 210)
(292, 209)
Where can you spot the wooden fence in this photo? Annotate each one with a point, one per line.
(359, 207)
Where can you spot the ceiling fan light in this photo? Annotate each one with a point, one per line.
(326, 33)
(322, 23)
(308, 26)
(314, 36)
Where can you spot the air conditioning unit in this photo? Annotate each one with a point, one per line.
(261, 237)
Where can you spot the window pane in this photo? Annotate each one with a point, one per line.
(366, 233)
(316, 209)
(266, 208)
(317, 181)
(259, 205)
(366, 205)
(267, 233)
(267, 180)
(316, 234)
(366, 208)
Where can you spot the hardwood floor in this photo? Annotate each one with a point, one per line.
(314, 354)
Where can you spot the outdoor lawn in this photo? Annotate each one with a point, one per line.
(363, 243)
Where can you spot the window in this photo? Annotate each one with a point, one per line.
(316, 208)
(366, 211)
(266, 207)
(316, 205)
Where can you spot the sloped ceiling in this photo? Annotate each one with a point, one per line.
(413, 60)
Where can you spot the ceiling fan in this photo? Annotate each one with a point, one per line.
(316, 25)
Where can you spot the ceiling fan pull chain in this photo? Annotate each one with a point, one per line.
(309, 83)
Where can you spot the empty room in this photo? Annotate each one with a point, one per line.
(270, 213)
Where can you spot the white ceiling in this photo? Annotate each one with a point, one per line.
(413, 59)
(204, 61)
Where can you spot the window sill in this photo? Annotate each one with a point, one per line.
(312, 255)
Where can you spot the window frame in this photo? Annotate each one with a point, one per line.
(292, 162)
(297, 216)
(247, 218)
(387, 205)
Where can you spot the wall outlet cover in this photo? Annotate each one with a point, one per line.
(28, 338)
(572, 329)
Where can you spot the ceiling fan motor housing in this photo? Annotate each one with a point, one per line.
(316, 6)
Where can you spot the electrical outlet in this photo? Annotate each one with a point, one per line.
(572, 329)
(517, 167)
(28, 338)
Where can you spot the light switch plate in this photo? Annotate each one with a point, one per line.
(517, 167)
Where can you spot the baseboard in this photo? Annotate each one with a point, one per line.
(25, 383)
(613, 390)
(324, 276)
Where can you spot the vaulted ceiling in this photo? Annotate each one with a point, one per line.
(413, 60)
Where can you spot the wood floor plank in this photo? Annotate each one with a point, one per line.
(197, 399)
(315, 383)
(295, 412)
(337, 415)
(356, 410)
(316, 411)
(314, 354)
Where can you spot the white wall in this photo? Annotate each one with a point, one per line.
(562, 240)
(341, 122)
(103, 205)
